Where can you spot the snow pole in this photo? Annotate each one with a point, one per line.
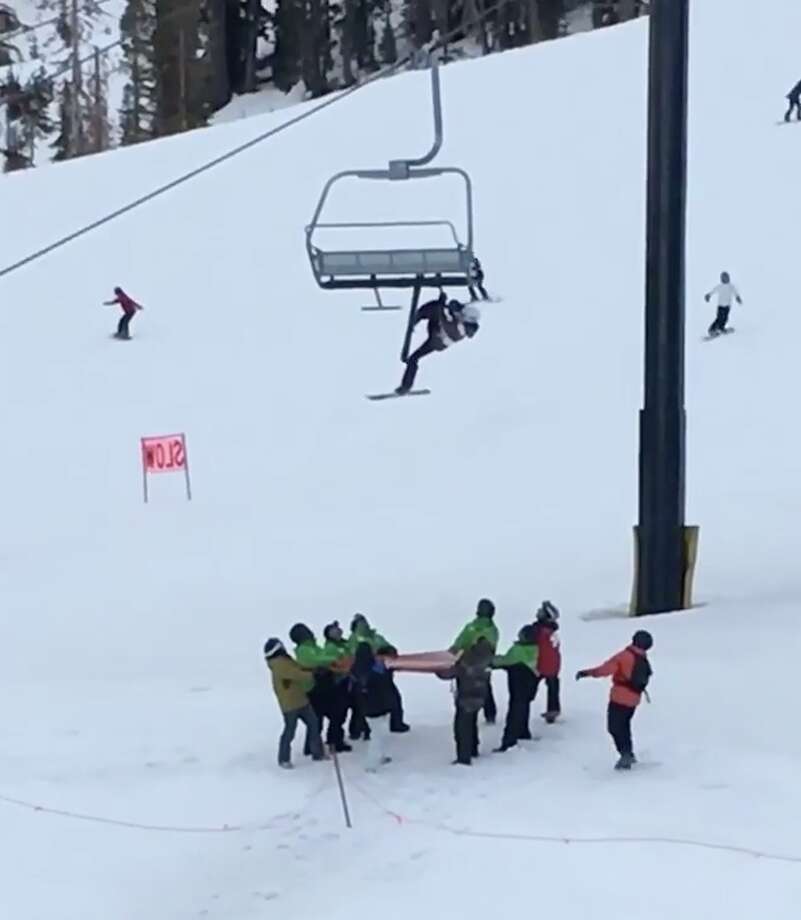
(341, 784)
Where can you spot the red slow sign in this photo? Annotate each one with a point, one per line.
(164, 454)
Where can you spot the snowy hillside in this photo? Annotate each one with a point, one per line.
(132, 679)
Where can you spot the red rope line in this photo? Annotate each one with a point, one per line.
(136, 825)
(579, 841)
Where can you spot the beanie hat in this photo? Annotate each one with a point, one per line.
(273, 647)
(359, 619)
(300, 632)
(527, 635)
(642, 639)
(485, 608)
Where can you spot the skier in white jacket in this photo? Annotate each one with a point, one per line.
(726, 292)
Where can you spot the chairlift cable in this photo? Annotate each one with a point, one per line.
(333, 99)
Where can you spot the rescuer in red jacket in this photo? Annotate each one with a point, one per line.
(630, 671)
(549, 659)
(129, 308)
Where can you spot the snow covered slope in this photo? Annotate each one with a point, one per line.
(131, 676)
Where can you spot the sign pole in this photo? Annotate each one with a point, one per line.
(186, 471)
(144, 471)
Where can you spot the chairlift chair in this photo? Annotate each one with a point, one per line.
(412, 268)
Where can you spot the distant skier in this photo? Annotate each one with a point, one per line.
(129, 308)
(476, 278)
(448, 322)
(726, 292)
(630, 671)
(794, 97)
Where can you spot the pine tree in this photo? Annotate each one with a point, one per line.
(176, 41)
(419, 22)
(246, 21)
(137, 114)
(210, 72)
(388, 48)
(77, 20)
(364, 36)
(344, 15)
(27, 118)
(315, 47)
(287, 25)
(98, 129)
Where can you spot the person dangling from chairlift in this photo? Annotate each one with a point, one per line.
(448, 322)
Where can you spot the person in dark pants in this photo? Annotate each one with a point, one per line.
(339, 692)
(630, 671)
(129, 308)
(292, 685)
(726, 292)
(448, 322)
(520, 663)
(362, 631)
(471, 672)
(477, 281)
(794, 97)
(482, 626)
(323, 665)
(372, 683)
(549, 658)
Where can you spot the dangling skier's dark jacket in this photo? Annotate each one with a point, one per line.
(795, 93)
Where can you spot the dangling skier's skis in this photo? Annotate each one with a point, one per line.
(719, 335)
(377, 396)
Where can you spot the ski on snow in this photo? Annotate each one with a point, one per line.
(720, 335)
(378, 396)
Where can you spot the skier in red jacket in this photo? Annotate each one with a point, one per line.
(630, 671)
(129, 308)
(549, 660)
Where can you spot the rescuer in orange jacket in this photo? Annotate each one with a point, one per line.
(630, 671)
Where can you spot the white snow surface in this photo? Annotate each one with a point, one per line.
(131, 675)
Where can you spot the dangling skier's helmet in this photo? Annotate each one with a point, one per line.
(471, 315)
(725, 277)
